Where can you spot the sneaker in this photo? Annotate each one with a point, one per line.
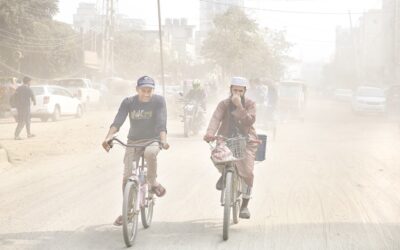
(118, 221)
(17, 138)
(220, 184)
(31, 135)
(244, 213)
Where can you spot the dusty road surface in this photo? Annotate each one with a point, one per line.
(331, 182)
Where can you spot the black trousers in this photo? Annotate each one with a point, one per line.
(24, 119)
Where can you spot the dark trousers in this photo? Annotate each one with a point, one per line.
(24, 119)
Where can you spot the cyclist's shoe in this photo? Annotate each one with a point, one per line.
(220, 183)
(244, 213)
(158, 190)
(118, 221)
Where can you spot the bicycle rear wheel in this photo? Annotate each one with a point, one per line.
(227, 205)
(129, 213)
(147, 211)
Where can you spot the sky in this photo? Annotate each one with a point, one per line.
(312, 35)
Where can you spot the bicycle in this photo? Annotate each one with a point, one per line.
(232, 182)
(137, 197)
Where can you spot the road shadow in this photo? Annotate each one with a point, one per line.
(106, 236)
(207, 234)
(93, 237)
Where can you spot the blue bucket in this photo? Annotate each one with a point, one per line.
(262, 148)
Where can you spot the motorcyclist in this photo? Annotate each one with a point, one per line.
(197, 94)
(235, 116)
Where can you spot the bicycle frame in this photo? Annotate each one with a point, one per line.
(230, 166)
(139, 174)
(137, 197)
(139, 177)
(232, 191)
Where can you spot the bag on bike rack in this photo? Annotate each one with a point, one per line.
(221, 153)
(262, 148)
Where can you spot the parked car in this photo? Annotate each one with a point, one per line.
(54, 102)
(343, 94)
(81, 88)
(369, 100)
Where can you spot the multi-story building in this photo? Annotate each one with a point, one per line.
(360, 51)
(370, 47)
(345, 58)
(124, 23)
(180, 36)
(87, 18)
(391, 37)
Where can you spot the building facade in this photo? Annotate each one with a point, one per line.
(391, 35)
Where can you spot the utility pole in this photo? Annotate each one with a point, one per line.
(108, 37)
(396, 41)
(112, 25)
(161, 47)
(355, 49)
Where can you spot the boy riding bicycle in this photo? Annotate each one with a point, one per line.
(233, 117)
(148, 119)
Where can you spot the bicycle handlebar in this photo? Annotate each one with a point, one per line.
(143, 145)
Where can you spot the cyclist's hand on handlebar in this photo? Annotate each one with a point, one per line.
(209, 138)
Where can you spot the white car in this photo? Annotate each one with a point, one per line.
(82, 88)
(369, 100)
(54, 102)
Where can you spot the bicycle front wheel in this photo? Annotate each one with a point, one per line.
(147, 210)
(129, 213)
(236, 199)
(227, 205)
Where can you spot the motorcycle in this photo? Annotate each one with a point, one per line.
(193, 118)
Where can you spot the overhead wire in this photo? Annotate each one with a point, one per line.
(23, 43)
(48, 50)
(31, 41)
(40, 78)
(283, 11)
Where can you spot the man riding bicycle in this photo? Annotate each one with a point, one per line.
(148, 118)
(233, 117)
